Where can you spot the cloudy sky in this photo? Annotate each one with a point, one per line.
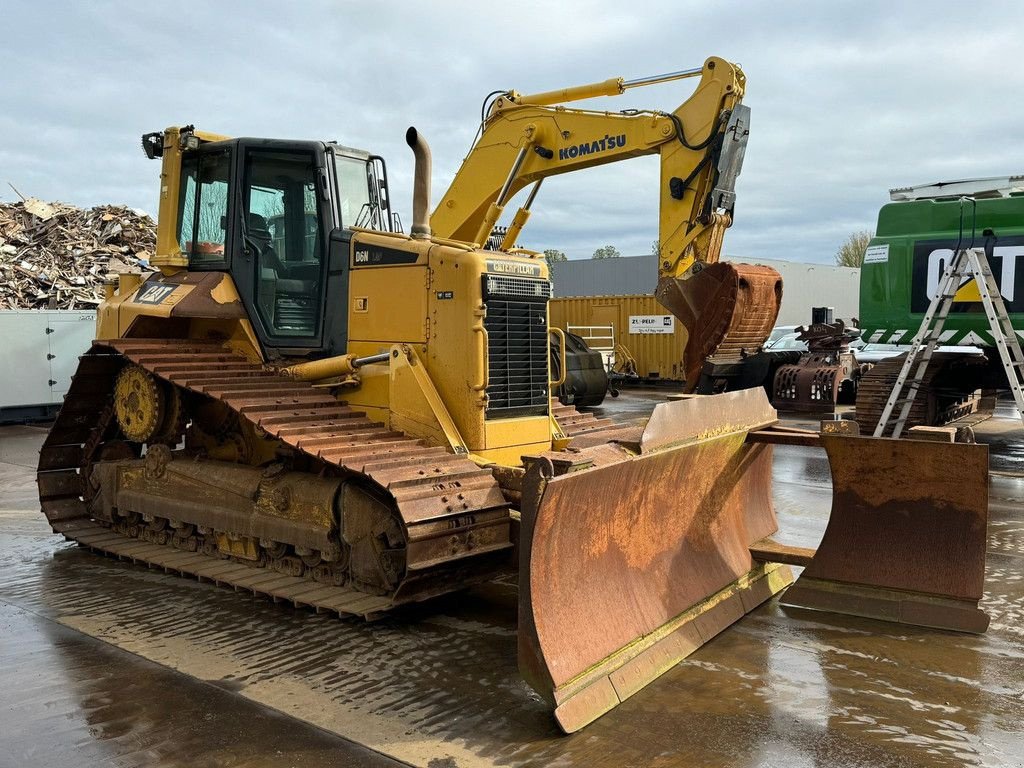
(849, 99)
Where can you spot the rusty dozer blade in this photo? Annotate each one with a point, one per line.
(907, 536)
(630, 566)
(727, 310)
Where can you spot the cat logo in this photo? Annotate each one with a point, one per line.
(514, 268)
(154, 293)
(1004, 264)
(932, 257)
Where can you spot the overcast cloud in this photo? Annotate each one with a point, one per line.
(848, 98)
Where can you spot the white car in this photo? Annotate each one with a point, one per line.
(783, 338)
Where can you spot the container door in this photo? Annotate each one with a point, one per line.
(25, 378)
(69, 335)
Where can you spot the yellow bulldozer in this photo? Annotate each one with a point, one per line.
(306, 403)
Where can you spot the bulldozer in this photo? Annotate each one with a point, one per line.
(306, 403)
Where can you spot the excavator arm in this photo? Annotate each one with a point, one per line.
(525, 138)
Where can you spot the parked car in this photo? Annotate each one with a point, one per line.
(786, 341)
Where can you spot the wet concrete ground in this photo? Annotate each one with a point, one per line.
(69, 699)
(107, 663)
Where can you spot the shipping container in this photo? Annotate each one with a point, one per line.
(41, 348)
(642, 326)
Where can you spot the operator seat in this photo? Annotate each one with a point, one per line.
(259, 234)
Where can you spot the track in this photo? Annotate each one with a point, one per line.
(928, 409)
(455, 518)
(586, 429)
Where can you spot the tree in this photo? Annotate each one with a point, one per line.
(551, 255)
(851, 252)
(656, 247)
(607, 252)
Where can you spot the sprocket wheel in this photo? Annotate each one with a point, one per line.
(139, 403)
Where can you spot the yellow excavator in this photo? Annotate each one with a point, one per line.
(305, 403)
(727, 310)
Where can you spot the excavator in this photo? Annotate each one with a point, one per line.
(305, 403)
(727, 309)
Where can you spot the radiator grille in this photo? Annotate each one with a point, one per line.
(516, 287)
(517, 351)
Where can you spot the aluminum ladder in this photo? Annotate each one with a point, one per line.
(966, 263)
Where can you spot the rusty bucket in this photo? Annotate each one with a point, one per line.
(727, 309)
(907, 535)
(629, 566)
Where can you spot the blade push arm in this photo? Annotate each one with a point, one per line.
(526, 138)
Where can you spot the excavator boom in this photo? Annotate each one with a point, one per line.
(728, 310)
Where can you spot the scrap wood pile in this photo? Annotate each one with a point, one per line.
(55, 256)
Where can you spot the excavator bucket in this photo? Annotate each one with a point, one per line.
(907, 535)
(727, 309)
(637, 558)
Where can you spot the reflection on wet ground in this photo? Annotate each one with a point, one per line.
(70, 700)
(438, 685)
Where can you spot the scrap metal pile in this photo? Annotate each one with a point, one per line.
(55, 256)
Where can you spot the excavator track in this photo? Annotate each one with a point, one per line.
(454, 517)
(928, 409)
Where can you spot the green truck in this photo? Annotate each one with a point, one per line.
(917, 235)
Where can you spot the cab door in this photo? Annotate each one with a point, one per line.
(285, 218)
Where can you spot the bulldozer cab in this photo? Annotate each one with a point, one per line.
(277, 216)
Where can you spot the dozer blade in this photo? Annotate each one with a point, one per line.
(907, 536)
(727, 309)
(628, 567)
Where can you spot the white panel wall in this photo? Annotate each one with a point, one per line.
(39, 352)
(816, 285)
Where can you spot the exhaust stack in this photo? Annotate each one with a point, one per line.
(421, 185)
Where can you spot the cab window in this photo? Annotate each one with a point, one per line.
(354, 193)
(282, 230)
(203, 209)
